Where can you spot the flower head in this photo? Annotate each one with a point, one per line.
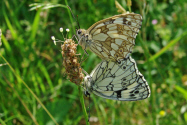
(67, 30)
(61, 29)
(71, 61)
(154, 21)
(53, 38)
(162, 113)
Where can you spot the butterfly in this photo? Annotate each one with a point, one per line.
(112, 38)
(117, 81)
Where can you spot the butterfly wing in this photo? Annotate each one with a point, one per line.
(114, 38)
(119, 81)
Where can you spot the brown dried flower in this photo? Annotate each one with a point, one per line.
(73, 69)
(70, 60)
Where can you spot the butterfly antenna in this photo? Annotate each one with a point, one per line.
(74, 17)
(78, 22)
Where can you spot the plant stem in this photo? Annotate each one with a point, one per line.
(83, 106)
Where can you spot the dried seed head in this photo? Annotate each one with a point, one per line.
(70, 59)
(75, 60)
(76, 70)
(70, 62)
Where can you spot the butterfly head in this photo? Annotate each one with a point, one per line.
(81, 33)
(87, 84)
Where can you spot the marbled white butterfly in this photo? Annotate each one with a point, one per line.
(117, 81)
(112, 38)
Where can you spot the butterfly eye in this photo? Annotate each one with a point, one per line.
(79, 32)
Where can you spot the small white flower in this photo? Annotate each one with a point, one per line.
(67, 30)
(61, 29)
(53, 38)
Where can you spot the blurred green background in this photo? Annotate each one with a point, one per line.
(26, 44)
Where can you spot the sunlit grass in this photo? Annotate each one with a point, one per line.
(160, 53)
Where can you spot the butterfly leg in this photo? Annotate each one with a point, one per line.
(82, 60)
(85, 72)
(84, 51)
(75, 37)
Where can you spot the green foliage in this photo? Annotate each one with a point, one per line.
(160, 53)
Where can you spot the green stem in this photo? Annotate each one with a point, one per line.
(83, 106)
(70, 16)
(170, 44)
(97, 110)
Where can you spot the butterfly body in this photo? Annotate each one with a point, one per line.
(117, 81)
(112, 38)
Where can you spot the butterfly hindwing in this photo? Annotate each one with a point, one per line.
(119, 81)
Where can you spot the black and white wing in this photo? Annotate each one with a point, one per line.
(112, 38)
(118, 81)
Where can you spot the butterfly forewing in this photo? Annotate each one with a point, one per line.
(112, 38)
(118, 81)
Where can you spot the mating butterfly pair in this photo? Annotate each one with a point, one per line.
(117, 76)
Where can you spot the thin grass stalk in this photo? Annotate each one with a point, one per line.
(97, 110)
(22, 102)
(2, 122)
(129, 4)
(143, 41)
(103, 114)
(18, 77)
(170, 44)
(147, 55)
(70, 16)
